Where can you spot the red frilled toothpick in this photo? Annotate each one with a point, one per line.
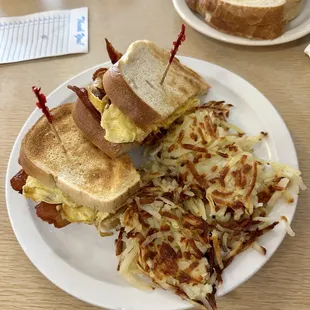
(181, 38)
(41, 104)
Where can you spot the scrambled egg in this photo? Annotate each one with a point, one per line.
(38, 192)
(79, 214)
(119, 128)
(191, 103)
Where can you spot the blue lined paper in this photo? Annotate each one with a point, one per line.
(45, 34)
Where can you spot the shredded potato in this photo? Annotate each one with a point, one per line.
(205, 199)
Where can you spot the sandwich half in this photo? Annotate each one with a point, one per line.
(80, 185)
(253, 19)
(135, 106)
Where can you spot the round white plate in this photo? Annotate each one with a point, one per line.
(297, 28)
(83, 264)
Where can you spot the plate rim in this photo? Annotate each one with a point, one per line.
(227, 38)
(66, 287)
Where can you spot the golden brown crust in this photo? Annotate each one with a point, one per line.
(238, 14)
(265, 32)
(264, 23)
(83, 173)
(123, 97)
(292, 9)
(202, 6)
(95, 133)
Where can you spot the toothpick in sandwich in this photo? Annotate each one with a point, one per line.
(41, 104)
(181, 38)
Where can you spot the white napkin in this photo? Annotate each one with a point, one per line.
(307, 50)
(44, 34)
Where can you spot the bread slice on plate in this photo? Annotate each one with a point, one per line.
(84, 173)
(292, 9)
(263, 32)
(251, 12)
(253, 19)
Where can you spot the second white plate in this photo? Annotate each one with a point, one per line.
(83, 264)
(297, 28)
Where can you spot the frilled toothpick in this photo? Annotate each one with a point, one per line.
(41, 104)
(181, 38)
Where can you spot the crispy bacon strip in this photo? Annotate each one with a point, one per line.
(83, 96)
(19, 180)
(99, 72)
(113, 53)
(48, 213)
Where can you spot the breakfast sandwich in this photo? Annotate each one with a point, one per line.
(76, 184)
(127, 105)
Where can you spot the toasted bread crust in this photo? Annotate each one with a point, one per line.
(95, 133)
(253, 16)
(292, 9)
(85, 174)
(202, 6)
(265, 32)
(264, 23)
(123, 97)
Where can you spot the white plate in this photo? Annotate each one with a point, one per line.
(83, 264)
(297, 28)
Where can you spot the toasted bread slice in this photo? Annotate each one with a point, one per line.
(263, 32)
(84, 173)
(133, 84)
(250, 12)
(292, 9)
(253, 19)
(95, 133)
